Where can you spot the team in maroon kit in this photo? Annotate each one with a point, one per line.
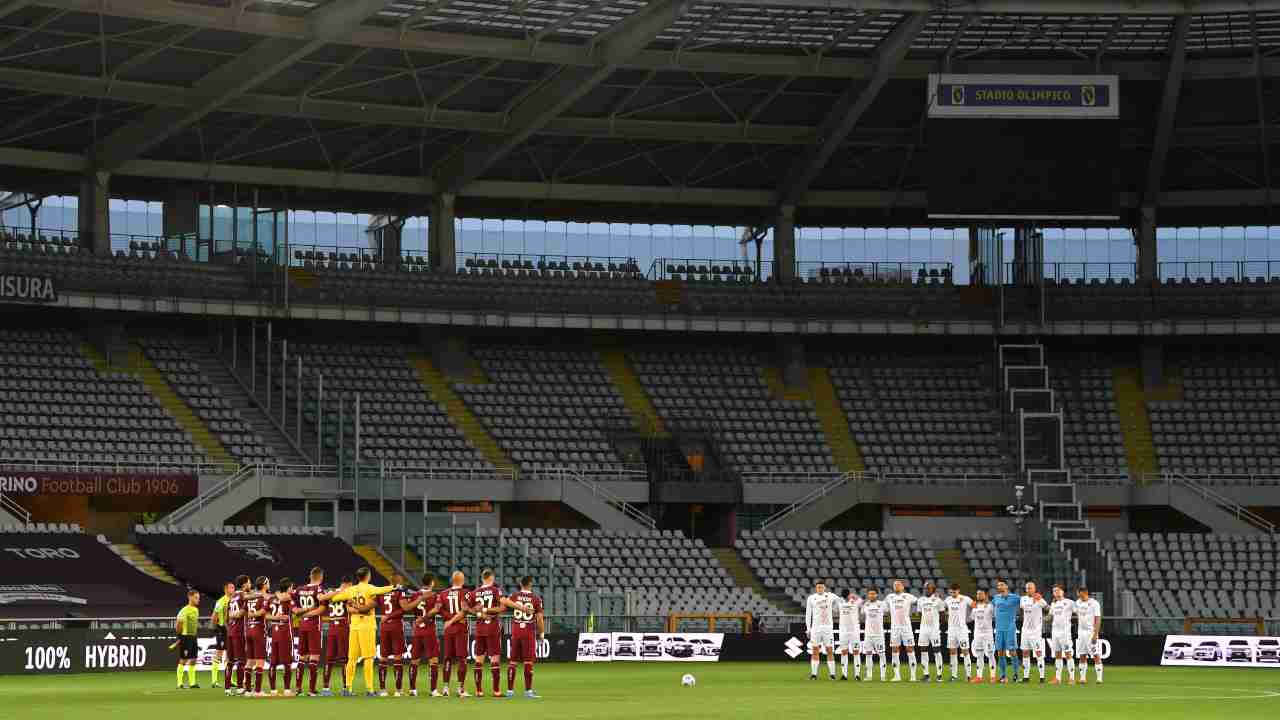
(254, 611)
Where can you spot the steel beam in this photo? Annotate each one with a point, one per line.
(324, 25)
(13, 6)
(848, 110)
(558, 94)
(1168, 110)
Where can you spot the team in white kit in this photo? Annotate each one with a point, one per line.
(862, 634)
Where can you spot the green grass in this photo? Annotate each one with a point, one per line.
(730, 690)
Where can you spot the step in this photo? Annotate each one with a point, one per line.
(376, 560)
(230, 388)
(191, 423)
(644, 415)
(1135, 422)
(139, 559)
(732, 561)
(835, 423)
(956, 569)
(437, 387)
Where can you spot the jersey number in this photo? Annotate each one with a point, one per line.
(521, 615)
(306, 602)
(387, 606)
(337, 610)
(452, 599)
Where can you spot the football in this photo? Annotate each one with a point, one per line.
(688, 680)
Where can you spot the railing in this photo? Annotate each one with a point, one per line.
(879, 271)
(690, 268)
(1240, 512)
(595, 485)
(461, 474)
(785, 475)
(620, 472)
(1078, 272)
(563, 263)
(13, 508)
(246, 473)
(149, 468)
(821, 492)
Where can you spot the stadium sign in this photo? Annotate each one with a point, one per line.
(1048, 97)
(1244, 651)
(649, 647)
(100, 484)
(62, 652)
(27, 288)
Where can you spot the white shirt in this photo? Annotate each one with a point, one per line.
(1032, 616)
(1086, 612)
(930, 612)
(900, 605)
(820, 611)
(984, 617)
(958, 613)
(851, 615)
(1061, 612)
(873, 613)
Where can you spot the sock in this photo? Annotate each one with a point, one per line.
(302, 666)
(271, 675)
(288, 677)
(1071, 667)
(1040, 665)
(511, 677)
(857, 664)
(462, 676)
(244, 676)
(924, 663)
(1084, 669)
(1097, 669)
(399, 675)
(991, 663)
(448, 673)
(844, 664)
(328, 673)
(435, 675)
(257, 679)
(882, 664)
(180, 669)
(968, 663)
(1001, 662)
(937, 661)
(495, 670)
(413, 677)
(831, 665)
(813, 666)
(1026, 668)
(911, 660)
(313, 669)
(382, 675)
(368, 673)
(226, 674)
(979, 661)
(479, 678)
(955, 667)
(528, 676)
(213, 673)
(868, 667)
(349, 675)
(1057, 669)
(897, 664)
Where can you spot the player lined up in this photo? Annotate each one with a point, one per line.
(994, 645)
(250, 610)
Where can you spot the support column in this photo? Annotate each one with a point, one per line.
(443, 243)
(1146, 242)
(784, 244)
(95, 213)
(1028, 256)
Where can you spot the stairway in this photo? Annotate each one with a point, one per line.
(177, 408)
(437, 388)
(376, 560)
(1135, 423)
(136, 557)
(669, 293)
(956, 570)
(1073, 552)
(644, 415)
(778, 389)
(835, 424)
(302, 278)
(742, 576)
(243, 403)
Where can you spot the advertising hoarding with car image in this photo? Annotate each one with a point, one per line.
(649, 647)
(1221, 651)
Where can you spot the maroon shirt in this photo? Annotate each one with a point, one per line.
(252, 606)
(307, 597)
(392, 613)
(451, 602)
(337, 613)
(488, 597)
(423, 625)
(280, 607)
(525, 624)
(235, 603)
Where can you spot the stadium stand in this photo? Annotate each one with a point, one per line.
(61, 408)
(792, 560)
(206, 558)
(51, 570)
(920, 413)
(547, 407)
(1091, 426)
(723, 394)
(992, 558)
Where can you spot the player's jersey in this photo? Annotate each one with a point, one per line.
(450, 603)
(958, 607)
(900, 605)
(392, 613)
(983, 620)
(1086, 612)
(873, 613)
(1061, 612)
(235, 604)
(1006, 610)
(363, 597)
(307, 598)
(851, 615)
(523, 622)
(336, 613)
(253, 605)
(280, 607)
(422, 624)
(820, 611)
(931, 613)
(1033, 616)
(487, 597)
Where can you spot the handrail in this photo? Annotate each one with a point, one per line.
(598, 490)
(77, 465)
(197, 503)
(11, 506)
(1222, 501)
(821, 492)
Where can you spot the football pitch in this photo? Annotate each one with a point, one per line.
(728, 690)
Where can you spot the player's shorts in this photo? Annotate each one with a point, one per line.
(1085, 647)
(872, 643)
(282, 647)
(1032, 643)
(489, 644)
(524, 647)
(957, 640)
(901, 636)
(983, 645)
(425, 647)
(338, 644)
(188, 648)
(1061, 643)
(362, 642)
(235, 644)
(219, 637)
(1006, 640)
(455, 645)
(850, 641)
(931, 638)
(255, 645)
(309, 643)
(391, 640)
(822, 639)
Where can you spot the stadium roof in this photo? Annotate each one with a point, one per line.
(618, 109)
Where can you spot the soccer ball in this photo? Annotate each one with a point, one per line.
(688, 680)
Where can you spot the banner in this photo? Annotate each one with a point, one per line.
(649, 647)
(62, 652)
(1221, 651)
(27, 288)
(1053, 97)
(173, 485)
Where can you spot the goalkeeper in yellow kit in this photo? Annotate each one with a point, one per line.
(364, 625)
